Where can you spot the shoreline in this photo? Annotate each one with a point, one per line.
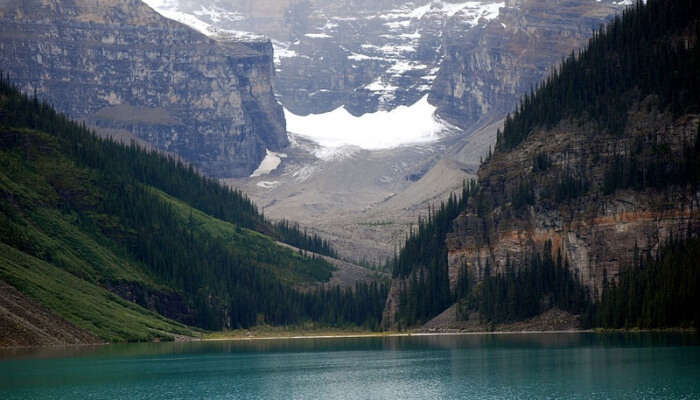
(455, 333)
(391, 334)
(360, 335)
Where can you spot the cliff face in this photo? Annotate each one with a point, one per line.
(596, 232)
(485, 71)
(123, 68)
(370, 55)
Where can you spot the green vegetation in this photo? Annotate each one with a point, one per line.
(423, 260)
(83, 303)
(642, 52)
(524, 291)
(647, 58)
(292, 234)
(655, 292)
(76, 209)
(653, 165)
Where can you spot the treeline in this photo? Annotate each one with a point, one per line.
(650, 49)
(168, 174)
(361, 306)
(290, 233)
(650, 52)
(648, 163)
(523, 291)
(654, 165)
(423, 244)
(656, 291)
(423, 260)
(107, 191)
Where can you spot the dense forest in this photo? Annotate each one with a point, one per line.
(154, 222)
(650, 52)
(524, 291)
(423, 261)
(645, 51)
(655, 291)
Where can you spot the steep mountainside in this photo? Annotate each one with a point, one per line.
(130, 72)
(370, 55)
(594, 172)
(121, 242)
(353, 187)
(484, 71)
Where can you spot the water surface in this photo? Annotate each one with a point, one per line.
(522, 366)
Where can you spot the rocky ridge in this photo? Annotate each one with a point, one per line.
(339, 50)
(485, 71)
(370, 56)
(597, 232)
(124, 69)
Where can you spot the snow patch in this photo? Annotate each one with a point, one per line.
(217, 14)
(401, 67)
(169, 9)
(380, 86)
(474, 10)
(337, 129)
(267, 184)
(398, 24)
(181, 17)
(282, 50)
(270, 163)
(318, 35)
(364, 57)
(329, 26)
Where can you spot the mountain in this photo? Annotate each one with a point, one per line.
(379, 75)
(379, 55)
(371, 59)
(132, 74)
(484, 72)
(593, 181)
(104, 241)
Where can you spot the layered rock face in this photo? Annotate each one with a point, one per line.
(484, 72)
(377, 55)
(597, 233)
(126, 70)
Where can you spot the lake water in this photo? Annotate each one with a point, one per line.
(522, 366)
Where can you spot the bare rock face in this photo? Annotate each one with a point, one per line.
(597, 233)
(484, 72)
(122, 67)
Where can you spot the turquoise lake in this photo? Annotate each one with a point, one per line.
(514, 366)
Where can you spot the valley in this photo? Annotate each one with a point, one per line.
(173, 169)
(343, 75)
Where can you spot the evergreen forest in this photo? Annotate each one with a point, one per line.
(118, 216)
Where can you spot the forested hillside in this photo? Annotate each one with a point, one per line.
(87, 224)
(589, 203)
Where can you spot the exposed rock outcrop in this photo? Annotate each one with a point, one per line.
(168, 304)
(597, 233)
(24, 322)
(484, 72)
(120, 66)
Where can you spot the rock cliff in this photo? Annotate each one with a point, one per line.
(595, 173)
(370, 55)
(485, 71)
(123, 68)
(598, 232)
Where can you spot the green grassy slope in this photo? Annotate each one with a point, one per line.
(287, 265)
(124, 242)
(85, 304)
(79, 215)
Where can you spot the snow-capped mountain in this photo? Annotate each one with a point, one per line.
(389, 104)
(331, 56)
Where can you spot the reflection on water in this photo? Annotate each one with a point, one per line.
(467, 366)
